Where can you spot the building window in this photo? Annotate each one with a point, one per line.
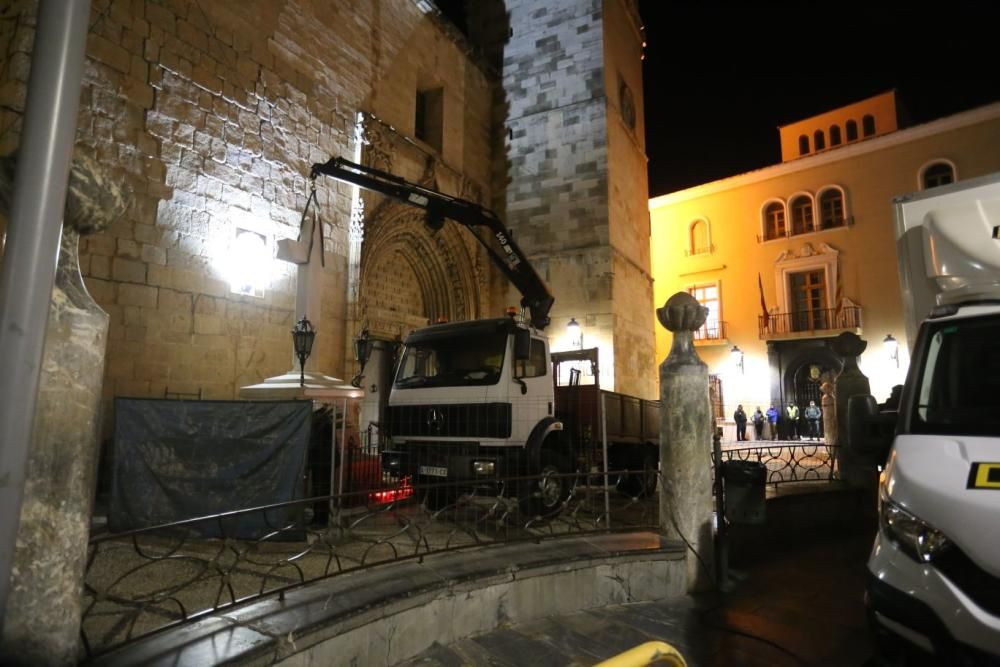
(831, 209)
(852, 131)
(834, 135)
(708, 296)
(774, 221)
(803, 145)
(802, 215)
(868, 125)
(698, 238)
(819, 140)
(808, 292)
(937, 173)
(429, 122)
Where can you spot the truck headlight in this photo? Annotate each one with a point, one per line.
(483, 467)
(915, 537)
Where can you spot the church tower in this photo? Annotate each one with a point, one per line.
(570, 176)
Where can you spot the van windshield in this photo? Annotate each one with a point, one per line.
(452, 361)
(959, 386)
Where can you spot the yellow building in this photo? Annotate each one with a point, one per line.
(809, 242)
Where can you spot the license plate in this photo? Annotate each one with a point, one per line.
(434, 471)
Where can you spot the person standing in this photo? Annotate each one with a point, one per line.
(772, 421)
(812, 414)
(758, 423)
(793, 421)
(740, 417)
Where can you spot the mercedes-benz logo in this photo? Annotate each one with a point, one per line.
(435, 420)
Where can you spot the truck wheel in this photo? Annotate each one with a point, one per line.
(640, 483)
(545, 495)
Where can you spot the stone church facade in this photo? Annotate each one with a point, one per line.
(211, 114)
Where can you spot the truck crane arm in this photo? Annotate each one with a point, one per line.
(506, 255)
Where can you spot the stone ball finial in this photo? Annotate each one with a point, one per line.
(93, 199)
(682, 312)
(849, 345)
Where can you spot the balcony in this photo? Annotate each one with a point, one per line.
(711, 333)
(821, 227)
(809, 323)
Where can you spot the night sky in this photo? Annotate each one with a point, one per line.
(719, 79)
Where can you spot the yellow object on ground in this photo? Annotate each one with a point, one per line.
(650, 653)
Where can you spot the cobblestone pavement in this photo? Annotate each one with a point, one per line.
(800, 607)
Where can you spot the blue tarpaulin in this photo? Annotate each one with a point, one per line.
(176, 460)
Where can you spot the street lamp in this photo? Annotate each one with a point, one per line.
(575, 334)
(303, 336)
(891, 346)
(736, 354)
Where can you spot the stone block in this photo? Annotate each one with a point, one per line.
(137, 295)
(105, 51)
(128, 271)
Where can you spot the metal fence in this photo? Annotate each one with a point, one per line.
(786, 462)
(143, 581)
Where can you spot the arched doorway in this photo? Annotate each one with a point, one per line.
(805, 373)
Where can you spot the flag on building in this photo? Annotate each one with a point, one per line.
(838, 302)
(763, 303)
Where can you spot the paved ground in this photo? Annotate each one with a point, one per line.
(800, 607)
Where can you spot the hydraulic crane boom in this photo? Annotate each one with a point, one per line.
(535, 296)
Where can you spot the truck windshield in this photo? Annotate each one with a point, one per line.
(959, 386)
(452, 361)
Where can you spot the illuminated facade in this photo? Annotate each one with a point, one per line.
(789, 256)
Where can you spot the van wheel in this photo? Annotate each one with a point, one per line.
(544, 495)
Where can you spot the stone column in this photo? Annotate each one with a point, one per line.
(686, 438)
(850, 382)
(42, 619)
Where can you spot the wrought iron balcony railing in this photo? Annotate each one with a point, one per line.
(809, 321)
(711, 331)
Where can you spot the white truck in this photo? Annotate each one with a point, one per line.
(477, 403)
(934, 571)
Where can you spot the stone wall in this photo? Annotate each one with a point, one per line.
(211, 113)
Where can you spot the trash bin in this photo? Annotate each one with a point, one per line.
(743, 485)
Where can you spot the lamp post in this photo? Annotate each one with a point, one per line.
(575, 334)
(891, 346)
(303, 336)
(736, 354)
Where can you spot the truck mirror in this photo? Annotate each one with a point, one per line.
(522, 344)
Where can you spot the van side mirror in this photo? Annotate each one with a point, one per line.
(869, 431)
(522, 344)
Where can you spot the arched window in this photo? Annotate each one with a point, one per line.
(937, 173)
(834, 135)
(831, 209)
(698, 238)
(868, 125)
(802, 215)
(819, 141)
(852, 131)
(774, 221)
(803, 145)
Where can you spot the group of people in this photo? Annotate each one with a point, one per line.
(792, 422)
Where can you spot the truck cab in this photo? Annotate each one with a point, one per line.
(934, 570)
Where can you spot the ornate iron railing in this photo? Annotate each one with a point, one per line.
(711, 331)
(143, 581)
(809, 321)
(789, 463)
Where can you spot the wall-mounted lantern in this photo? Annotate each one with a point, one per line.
(303, 336)
(736, 355)
(891, 346)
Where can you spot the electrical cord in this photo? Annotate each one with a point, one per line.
(715, 584)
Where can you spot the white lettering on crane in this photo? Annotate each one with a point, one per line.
(419, 200)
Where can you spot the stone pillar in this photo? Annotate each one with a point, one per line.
(829, 406)
(686, 438)
(850, 382)
(42, 619)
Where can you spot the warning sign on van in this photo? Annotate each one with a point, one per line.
(985, 476)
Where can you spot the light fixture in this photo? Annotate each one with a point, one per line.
(736, 354)
(246, 261)
(303, 336)
(891, 346)
(362, 348)
(575, 333)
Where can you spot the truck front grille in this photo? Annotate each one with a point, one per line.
(462, 420)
